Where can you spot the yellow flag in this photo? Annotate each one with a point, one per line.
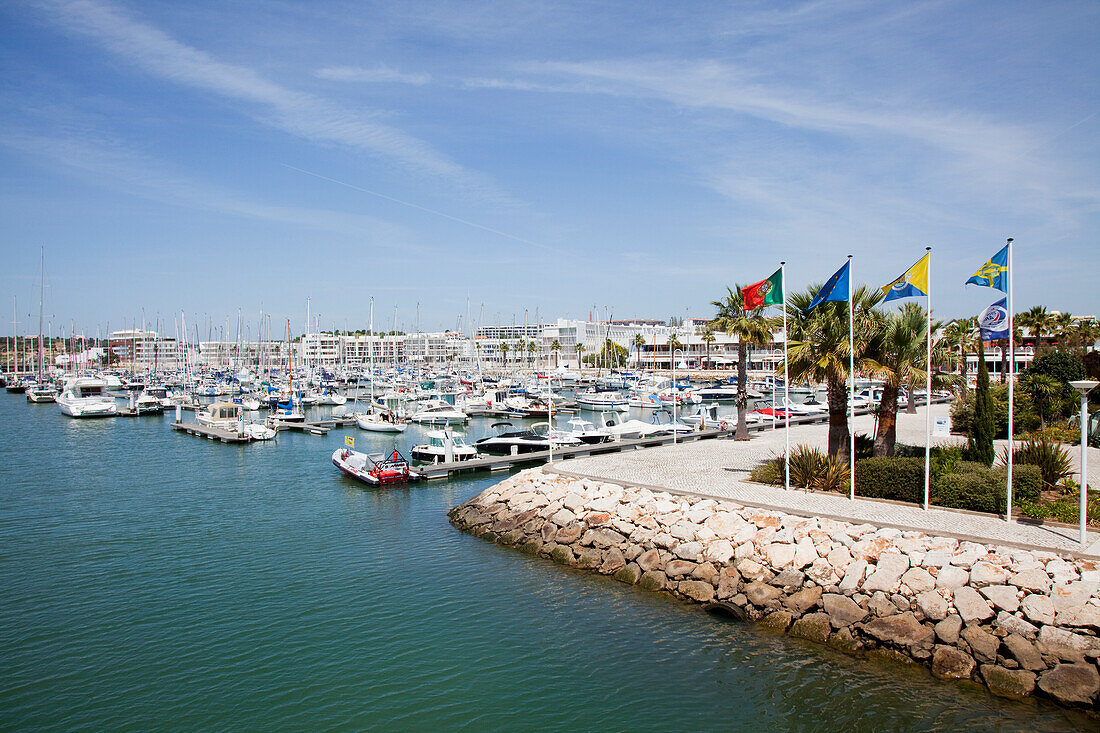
(911, 284)
(349, 441)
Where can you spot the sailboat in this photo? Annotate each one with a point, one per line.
(41, 390)
(285, 411)
(376, 420)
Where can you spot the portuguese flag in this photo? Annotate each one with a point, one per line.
(765, 292)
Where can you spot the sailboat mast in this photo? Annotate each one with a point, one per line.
(41, 297)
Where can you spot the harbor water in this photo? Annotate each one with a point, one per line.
(154, 580)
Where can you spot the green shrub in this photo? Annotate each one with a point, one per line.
(834, 476)
(1064, 510)
(891, 478)
(1033, 510)
(806, 463)
(1051, 458)
(769, 472)
(980, 488)
(810, 469)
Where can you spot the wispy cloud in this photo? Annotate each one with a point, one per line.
(107, 162)
(375, 75)
(301, 114)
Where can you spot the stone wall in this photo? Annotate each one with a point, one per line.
(1021, 622)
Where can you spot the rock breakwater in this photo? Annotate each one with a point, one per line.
(1021, 622)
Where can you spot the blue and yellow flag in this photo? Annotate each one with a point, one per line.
(994, 273)
(910, 284)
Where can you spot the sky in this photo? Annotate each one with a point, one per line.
(534, 159)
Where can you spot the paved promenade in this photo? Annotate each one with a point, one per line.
(720, 469)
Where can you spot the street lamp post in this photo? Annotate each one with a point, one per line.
(675, 396)
(1084, 386)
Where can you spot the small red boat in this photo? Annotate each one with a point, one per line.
(376, 469)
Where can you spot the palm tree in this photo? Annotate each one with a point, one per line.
(1038, 321)
(639, 342)
(579, 348)
(896, 355)
(1044, 390)
(555, 347)
(708, 338)
(504, 352)
(819, 350)
(752, 328)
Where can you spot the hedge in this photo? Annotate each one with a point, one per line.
(968, 485)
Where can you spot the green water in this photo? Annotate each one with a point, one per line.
(153, 580)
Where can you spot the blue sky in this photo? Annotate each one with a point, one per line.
(538, 156)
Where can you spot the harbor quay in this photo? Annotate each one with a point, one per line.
(1022, 622)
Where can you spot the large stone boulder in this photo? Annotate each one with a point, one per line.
(697, 590)
(802, 601)
(982, 644)
(949, 663)
(629, 574)
(971, 606)
(1003, 597)
(842, 610)
(901, 630)
(812, 626)
(761, 594)
(1038, 609)
(887, 575)
(947, 630)
(952, 577)
(678, 568)
(932, 605)
(1024, 652)
(650, 560)
(984, 573)
(777, 620)
(1012, 683)
(652, 580)
(1071, 684)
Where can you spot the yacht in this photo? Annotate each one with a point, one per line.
(41, 393)
(86, 397)
(329, 397)
(438, 412)
(629, 429)
(443, 446)
(512, 442)
(587, 432)
(225, 415)
(597, 401)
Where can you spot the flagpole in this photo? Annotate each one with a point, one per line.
(928, 388)
(786, 383)
(851, 389)
(1011, 384)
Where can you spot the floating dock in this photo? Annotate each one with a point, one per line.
(225, 436)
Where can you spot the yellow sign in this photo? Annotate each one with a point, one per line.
(349, 441)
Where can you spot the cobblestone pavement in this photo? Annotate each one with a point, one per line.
(720, 469)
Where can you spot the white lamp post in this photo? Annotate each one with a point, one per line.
(1084, 386)
(675, 395)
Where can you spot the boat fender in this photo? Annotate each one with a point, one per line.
(723, 426)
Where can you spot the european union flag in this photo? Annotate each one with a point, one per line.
(835, 288)
(994, 273)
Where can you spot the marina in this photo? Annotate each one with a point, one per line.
(550, 366)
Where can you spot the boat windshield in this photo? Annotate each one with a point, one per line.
(435, 442)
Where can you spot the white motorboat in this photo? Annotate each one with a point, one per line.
(437, 412)
(629, 429)
(224, 415)
(587, 432)
(147, 404)
(558, 438)
(86, 397)
(40, 394)
(443, 446)
(663, 419)
(259, 431)
(598, 401)
(512, 442)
